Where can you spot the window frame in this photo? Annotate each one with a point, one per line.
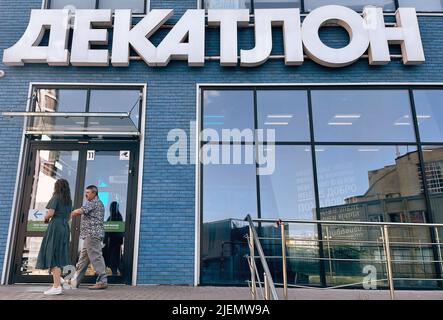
(88, 89)
(410, 87)
(201, 5)
(46, 4)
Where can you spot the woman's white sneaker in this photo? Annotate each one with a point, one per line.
(53, 291)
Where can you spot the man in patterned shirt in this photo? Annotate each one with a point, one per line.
(92, 233)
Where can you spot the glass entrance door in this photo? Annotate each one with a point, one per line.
(47, 167)
(109, 171)
(109, 166)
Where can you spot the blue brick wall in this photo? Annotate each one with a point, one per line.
(166, 253)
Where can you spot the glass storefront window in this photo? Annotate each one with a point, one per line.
(352, 116)
(227, 4)
(78, 4)
(137, 6)
(61, 100)
(286, 112)
(428, 105)
(357, 5)
(288, 193)
(229, 194)
(351, 176)
(228, 109)
(433, 166)
(116, 101)
(428, 5)
(264, 4)
(362, 174)
(355, 182)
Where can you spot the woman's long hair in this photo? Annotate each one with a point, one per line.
(62, 190)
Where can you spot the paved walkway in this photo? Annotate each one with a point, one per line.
(160, 292)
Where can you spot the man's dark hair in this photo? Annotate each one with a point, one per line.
(93, 189)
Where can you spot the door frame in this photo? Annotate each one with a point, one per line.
(115, 145)
(6, 276)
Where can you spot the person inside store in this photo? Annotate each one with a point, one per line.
(113, 241)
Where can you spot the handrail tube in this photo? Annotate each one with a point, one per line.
(400, 224)
(388, 261)
(385, 241)
(262, 258)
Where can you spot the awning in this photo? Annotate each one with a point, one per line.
(78, 123)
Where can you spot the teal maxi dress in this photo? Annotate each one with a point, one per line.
(54, 250)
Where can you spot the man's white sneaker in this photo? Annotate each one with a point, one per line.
(53, 291)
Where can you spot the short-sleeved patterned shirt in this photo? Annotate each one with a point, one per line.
(92, 219)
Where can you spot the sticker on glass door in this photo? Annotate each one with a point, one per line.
(90, 155)
(124, 155)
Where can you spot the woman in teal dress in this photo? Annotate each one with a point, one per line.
(54, 250)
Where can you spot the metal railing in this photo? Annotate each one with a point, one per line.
(269, 288)
(385, 241)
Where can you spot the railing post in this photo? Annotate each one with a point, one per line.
(388, 261)
(272, 291)
(283, 249)
(252, 264)
(329, 254)
(437, 238)
(266, 284)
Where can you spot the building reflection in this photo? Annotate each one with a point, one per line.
(395, 193)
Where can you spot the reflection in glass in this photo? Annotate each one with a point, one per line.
(370, 183)
(433, 164)
(29, 257)
(61, 100)
(352, 115)
(357, 5)
(286, 112)
(49, 167)
(301, 251)
(80, 124)
(78, 4)
(110, 174)
(229, 194)
(420, 5)
(116, 101)
(347, 258)
(350, 175)
(428, 105)
(288, 193)
(137, 6)
(228, 109)
(264, 4)
(227, 4)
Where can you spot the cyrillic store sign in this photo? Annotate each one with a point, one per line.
(186, 40)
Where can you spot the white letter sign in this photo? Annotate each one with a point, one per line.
(186, 39)
(26, 50)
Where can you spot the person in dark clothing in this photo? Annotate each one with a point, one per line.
(113, 241)
(54, 250)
